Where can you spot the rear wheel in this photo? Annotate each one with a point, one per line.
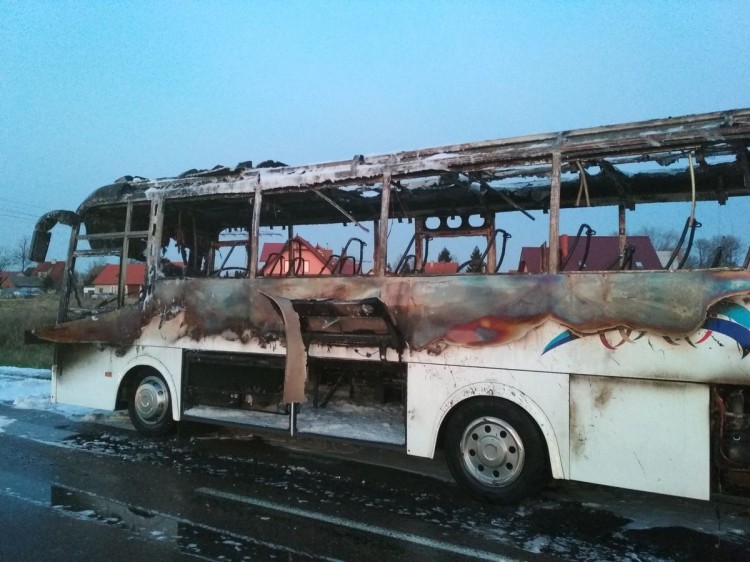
(495, 450)
(150, 405)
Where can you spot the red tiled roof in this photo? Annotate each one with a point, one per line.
(347, 268)
(134, 275)
(54, 270)
(531, 259)
(270, 248)
(440, 267)
(603, 252)
(6, 279)
(272, 251)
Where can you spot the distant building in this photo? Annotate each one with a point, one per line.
(15, 284)
(664, 257)
(440, 267)
(306, 259)
(54, 270)
(603, 254)
(6, 279)
(106, 282)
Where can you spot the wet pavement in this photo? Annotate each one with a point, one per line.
(74, 490)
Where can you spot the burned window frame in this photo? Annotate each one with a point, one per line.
(461, 183)
(115, 241)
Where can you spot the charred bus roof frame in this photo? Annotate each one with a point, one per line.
(458, 179)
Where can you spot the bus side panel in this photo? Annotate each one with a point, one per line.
(433, 390)
(642, 435)
(89, 375)
(84, 376)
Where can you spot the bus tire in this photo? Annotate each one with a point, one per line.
(495, 450)
(150, 405)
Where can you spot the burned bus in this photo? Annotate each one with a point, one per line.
(600, 366)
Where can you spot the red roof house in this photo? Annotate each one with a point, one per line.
(307, 259)
(603, 254)
(55, 270)
(106, 282)
(440, 267)
(6, 279)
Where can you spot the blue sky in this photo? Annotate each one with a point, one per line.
(91, 91)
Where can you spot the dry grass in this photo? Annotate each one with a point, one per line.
(19, 315)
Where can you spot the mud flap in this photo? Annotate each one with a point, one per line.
(295, 370)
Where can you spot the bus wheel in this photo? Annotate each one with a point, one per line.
(495, 450)
(149, 405)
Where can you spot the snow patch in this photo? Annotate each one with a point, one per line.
(29, 389)
(5, 421)
(26, 372)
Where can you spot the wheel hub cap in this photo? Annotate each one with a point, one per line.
(492, 451)
(151, 399)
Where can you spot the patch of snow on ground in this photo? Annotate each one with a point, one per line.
(372, 422)
(26, 372)
(17, 386)
(382, 423)
(5, 421)
(29, 389)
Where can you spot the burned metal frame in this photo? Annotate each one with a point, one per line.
(467, 179)
(538, 172)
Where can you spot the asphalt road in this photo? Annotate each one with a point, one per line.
(88, 491)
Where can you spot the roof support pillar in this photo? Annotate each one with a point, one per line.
(382, 245)
(553, 257)
(255, 232)
(153, 253)
(122, 286)
(622, 230)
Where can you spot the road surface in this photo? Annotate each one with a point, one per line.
(74, 490)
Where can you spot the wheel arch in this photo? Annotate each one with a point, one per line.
(500, 391)
(144, 363)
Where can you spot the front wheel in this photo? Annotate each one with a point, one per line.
(495, 450)
(149, 405)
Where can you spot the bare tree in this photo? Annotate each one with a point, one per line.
(661, 239)
(718, 251)
(732, 248)
(6, 259)
(20, 253)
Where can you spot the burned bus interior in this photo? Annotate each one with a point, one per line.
(388, 216)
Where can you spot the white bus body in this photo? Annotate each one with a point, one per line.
(625, 377)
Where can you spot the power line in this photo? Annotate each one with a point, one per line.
(18, 218)
(12, 208)
(17, 213)
(23, 203)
